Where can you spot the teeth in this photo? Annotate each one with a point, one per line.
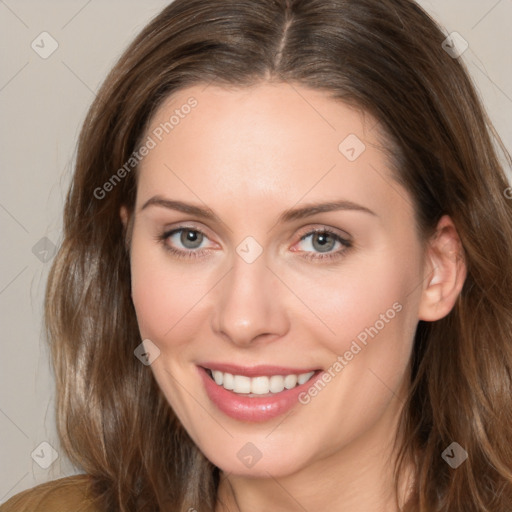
(303, 377)
(241, 384)
(276, 383)
(259, 385)
(229, 381)
(290, 381)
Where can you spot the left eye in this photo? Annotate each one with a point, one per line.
(322, 241)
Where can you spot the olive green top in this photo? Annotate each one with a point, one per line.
(64, 495)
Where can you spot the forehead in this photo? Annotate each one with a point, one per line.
(266, 144)
(274, 117)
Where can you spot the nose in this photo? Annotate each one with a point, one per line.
(249, 304)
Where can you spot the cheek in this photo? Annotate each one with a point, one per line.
(361, 300)
(371, 305)
(162, 292)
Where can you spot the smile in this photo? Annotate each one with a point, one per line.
(259, 385)
(255, 394)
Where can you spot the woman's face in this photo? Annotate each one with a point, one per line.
(265, 285)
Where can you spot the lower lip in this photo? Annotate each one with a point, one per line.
(257, 408)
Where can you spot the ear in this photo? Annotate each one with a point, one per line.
(445, 272)
(123, 213)
(127, 221)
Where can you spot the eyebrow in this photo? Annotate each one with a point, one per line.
(287, 216)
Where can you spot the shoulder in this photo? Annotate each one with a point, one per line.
(70, 494)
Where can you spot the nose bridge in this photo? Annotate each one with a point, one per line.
(249, 304)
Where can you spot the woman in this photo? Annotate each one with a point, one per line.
(285, 280)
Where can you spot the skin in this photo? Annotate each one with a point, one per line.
(249, 154)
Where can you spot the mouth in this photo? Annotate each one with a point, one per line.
(259, 385)
(255, 393)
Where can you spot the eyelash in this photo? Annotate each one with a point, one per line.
(162, 238)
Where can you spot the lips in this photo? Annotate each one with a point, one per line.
(270, 399)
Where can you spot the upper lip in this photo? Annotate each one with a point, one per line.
(255, 371)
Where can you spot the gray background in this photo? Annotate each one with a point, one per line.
(42, 105)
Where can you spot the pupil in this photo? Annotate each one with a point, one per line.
(323, 240)
(190, 236)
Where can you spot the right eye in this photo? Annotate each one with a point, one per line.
(190, 239)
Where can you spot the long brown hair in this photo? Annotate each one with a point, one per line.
(385, 57)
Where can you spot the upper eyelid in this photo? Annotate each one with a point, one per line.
(320, 228)
(174, 230)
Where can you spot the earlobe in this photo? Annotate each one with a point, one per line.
(445, 272)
